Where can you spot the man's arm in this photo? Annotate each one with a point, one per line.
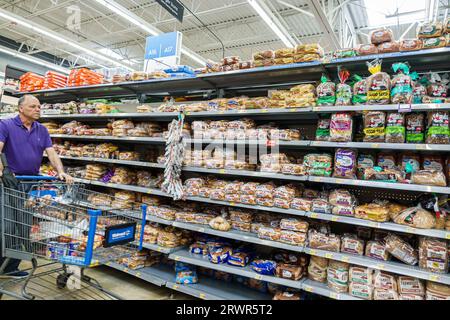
(57, 164)
(1, 164)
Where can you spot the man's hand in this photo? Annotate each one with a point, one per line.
(65, 177)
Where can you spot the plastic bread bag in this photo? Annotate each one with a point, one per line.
(337, 276)
(344, 92)
(437, 88)
(264, 267)
(351, 244)
(429, 178)
(411, 45)
(367, 49)
(378, 84)
(359, 91)
(415, 128)
(432, 43)
(433, 255)
(345, 164)
(323, 130)
(395, 128)
(419, 88)
(438, 130)
(341, 127)
(374, 126)
(430, 30)
(389, 47)
(319, 164)
(416, 217)
(341, 197)
(401, 250)
(381, 35)
(402, 91)
(326, 92)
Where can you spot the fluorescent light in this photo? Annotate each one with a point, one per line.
(263, 14)
(115, 55)
(34, 60)
(144, 25)
(20, 21)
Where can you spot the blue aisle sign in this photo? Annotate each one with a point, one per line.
(174, 7)
(161, 46)
(163, 51)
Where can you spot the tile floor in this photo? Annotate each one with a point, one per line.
(117, 282)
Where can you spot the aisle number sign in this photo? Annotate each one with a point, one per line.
(163, 51)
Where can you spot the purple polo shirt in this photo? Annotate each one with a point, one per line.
(23, 148)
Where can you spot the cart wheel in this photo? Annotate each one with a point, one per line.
(61, 281)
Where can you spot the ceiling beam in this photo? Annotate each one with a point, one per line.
(324, 23)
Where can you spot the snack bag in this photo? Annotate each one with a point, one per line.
(359, 91)
(326, 93)
(343, 90)
(402, 91)
(378, 84)
(345, 164)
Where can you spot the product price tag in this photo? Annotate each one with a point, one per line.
(315, 215)
(125, 270)
(108, 264)
(334, 296)
(201, 230)
(242, 111)
(375, 145)
(434, 278)
(447, 236)
(345, 259)
(313, 252)
(329, 256)
(406, 108)
(410, 230)
(177, 258)
(308, 289)
(264, 111)
(374, 225)
(232, 204)
(258, 277)
(222, 171)
(202, 296)
(293, 110)
(381, 266)
(188, 113)
(175, 287)
(221, 112)
(421, 146)
(335, 219)
(138, 274)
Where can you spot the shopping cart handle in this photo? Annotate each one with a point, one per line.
(36, 178)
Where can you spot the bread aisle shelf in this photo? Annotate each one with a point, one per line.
(441, 234)
(156, 275)
(389, 266)
(303, 284)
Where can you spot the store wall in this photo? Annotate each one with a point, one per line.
(19, 63)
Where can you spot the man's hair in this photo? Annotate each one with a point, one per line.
(24, 98)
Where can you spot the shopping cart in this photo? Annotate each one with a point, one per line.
(47, 219)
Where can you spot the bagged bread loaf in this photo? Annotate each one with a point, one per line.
(416, 217)
(341, 127)
(377, 250)
(401, 249)
(415, 128)
(359, 91)
(367, 49)
(411, 45)
(437, 291)
(359, 290)
(438, 130)
(317, 269)
(430, 30)
(374, 126)
(337, 276)
(389, 47)
(433, 255)
(432, 43)
(381, 35)
(287, 296)
(322, 241)
(401, 84)
(345, 164)
(326, 93)
(344, 92)
(374, 211)
(351, 244)
(378, 84)
(429, 178)
(395, 128)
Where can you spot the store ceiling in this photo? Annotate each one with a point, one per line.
(235, 22)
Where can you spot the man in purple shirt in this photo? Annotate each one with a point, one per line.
(23, 140)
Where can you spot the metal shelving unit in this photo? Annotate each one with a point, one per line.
(389, 266)
(254, 80)
(160, 249)
(440, 234)
(157, 275)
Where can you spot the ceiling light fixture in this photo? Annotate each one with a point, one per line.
(144, 25)
(34, 60)
(263, 14)
(42, 30)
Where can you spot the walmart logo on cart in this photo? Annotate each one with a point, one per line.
(122, 235)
